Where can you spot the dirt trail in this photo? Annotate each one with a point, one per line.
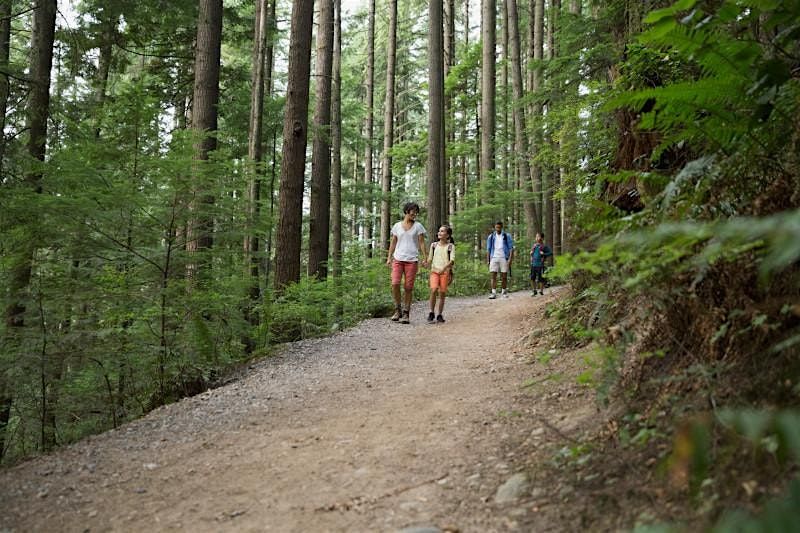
(379, 428)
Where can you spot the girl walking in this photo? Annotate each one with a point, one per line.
(443, 255)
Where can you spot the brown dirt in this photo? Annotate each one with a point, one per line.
(378, 428)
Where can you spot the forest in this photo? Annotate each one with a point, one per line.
(185, 185)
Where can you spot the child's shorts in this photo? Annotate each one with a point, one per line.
(439, 280)
(407, 268)
(537, 273)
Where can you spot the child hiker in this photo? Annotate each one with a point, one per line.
(539, 253)
(408, 240)
(443, 256)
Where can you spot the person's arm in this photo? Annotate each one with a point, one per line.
(392, 246)
(510, 253)
(489, 248)
(431, 251)
(421, 240)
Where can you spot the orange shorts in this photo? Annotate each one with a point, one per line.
(439, 280)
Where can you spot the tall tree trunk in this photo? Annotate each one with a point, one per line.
(336, 139)
(109, 20)
(568, 204)
(295, 133)
(388, 127)
(255, 156)
(368, 128)
(521, 147)
(37, 112)
(488, 81)
(319, 236)
(450, 60)
(204, 122)
(6, 398)
(436, 116)
(551, 186)
(5, 90)
(538, 55)
(268, 87)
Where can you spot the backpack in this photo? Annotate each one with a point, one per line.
(449, 249)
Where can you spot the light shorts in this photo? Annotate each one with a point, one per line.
(498, 265)
(439, 280)
(404, 268)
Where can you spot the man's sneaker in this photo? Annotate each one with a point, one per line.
(405, 319)
(492, 296)
(440, 319)
(534, 293)
(397, 314)
(431, 317)
(541, 292)
(505, 294)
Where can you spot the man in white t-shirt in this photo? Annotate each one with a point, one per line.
(500, 254)
(408, 240)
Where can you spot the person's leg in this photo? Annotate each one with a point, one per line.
(397, 271)
(494, 281)
(410, 270)
(433, 284)
(504, 282)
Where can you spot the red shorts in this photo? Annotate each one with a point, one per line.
(439, 280)
(407, 268)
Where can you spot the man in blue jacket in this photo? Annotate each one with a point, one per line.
(500, 254)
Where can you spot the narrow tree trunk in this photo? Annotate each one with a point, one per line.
(568, 206)
(388, 127)
(268, 87)
(255, 169)
(488, 82)
(295, 132)
(319, 236)
(521, 147)
(336, 139)
(538, 55)
(5, 90)
(436, 116)
(552, 185)
(204, 122)
(450, 187)
(368, 128)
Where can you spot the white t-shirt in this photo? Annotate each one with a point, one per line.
(499, 249)
(407, 241)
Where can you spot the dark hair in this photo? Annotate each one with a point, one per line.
(410, 206)
(449, 233)
(498, 222)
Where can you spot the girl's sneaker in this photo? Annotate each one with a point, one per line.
(439, 319)
(431, 317)
(397, 314)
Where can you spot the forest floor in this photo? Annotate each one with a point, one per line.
(383, 427)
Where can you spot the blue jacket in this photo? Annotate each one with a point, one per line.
(508, 244)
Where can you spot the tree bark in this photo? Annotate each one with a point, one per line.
(388, 127)
(488, 82)
(551, 186)
(37, 113)
(204, 122)
(255, 169)
(319, 236)
(295, 133)
(5, 89)
(336, 139)
(368, 128)
(538, 55)
(450, 187)
(568, 204)
(436, 116)
(521, 147)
